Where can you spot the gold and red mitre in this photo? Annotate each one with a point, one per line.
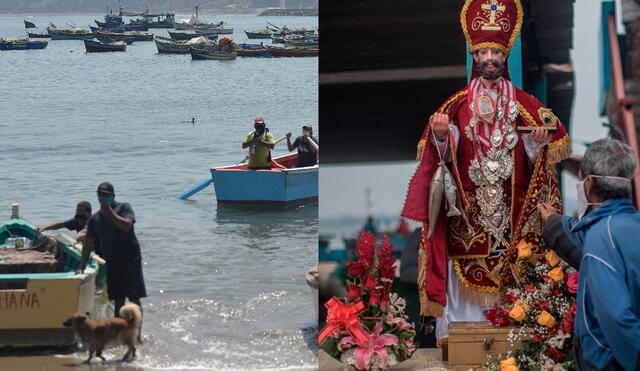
(491, 23)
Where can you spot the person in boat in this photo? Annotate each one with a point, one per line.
(607, 322)
(113, 228)
(307, 153)
(77, 223)
(498, 147)
(260, 143)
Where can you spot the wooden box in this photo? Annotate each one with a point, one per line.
(470, 343)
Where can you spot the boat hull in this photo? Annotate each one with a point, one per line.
(204, 55)
(293, 52)
(65, 36)
(189, 36)
(97, 47)
(287, 187)
(257, 35)
(23, 45)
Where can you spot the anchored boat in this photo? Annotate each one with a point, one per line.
(39, 288)
(22, 44)
(279, 186)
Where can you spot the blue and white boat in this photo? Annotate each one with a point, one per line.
(22, 44)
(279, 186)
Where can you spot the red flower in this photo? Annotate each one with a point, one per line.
(353, 292)
(366, 249)
(530, 288)
(510, 297)
(538, 338)
(370, 282)
(555, 354)
(498, 316)
(356, 269)
(374, 298)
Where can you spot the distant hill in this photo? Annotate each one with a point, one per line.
(100, 6)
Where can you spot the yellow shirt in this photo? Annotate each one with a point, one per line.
(259, 153)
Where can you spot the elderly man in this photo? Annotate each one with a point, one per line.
(112, 227)
(607, 323)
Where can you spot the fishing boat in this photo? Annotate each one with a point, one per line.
(70, 33)
(252, 50)
(259, 34)
(169, 46)
(39, 286)
(97, 47)
(163, 20)
(303, 42)
(202, 54)
(197, 24)
(190, 35)
(282, 186)
(34, 35)
(124, 36)
(293, 52)
(22, 44)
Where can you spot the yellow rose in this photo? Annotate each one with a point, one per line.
(546, 319)
(552, 258)
(508, 364)
(556, 274)
(517, 312)
(524, 249)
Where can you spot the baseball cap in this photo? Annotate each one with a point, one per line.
(105, 187)
(259, 120)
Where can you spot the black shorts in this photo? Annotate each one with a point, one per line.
(126, 282)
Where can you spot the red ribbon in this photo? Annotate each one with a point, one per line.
(341, 316)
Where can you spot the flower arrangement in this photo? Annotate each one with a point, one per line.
(368, 329)
(544, 305)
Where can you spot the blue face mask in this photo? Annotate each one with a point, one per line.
(108, 200)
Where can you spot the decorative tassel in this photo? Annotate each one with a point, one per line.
(421, 145)
(559, 150)
(428, 307)
(482, 299)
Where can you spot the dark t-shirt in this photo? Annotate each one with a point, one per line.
(73, 225)
(305, 155)
(118, 247)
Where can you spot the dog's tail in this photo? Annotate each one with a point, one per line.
(132, 314)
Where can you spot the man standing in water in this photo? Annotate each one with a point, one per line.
(261, 142)
(494, 144)
(112, 228)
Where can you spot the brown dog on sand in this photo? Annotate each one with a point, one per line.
(98, 334)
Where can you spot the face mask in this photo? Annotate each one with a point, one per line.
(583, 202)
(108, 200)
(306, 132)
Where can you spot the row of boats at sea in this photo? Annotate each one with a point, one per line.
(193, 36)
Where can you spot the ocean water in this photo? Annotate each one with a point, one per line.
(226, 286)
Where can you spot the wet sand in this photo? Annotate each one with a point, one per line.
(62, 362)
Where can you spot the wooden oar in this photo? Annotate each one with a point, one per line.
(202, 185)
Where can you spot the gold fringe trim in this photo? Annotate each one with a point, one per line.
(444, 108)
(464, 282)
(527, 116)
(430, 308)
(512, 39)
(427, 307)
(482, 299)
(421, 146)
(559, 150)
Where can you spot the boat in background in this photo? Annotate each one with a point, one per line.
(252, 50)
(39, 286)
(279, 186)
(34, 35)
(170, 46)
(190, 35)
(70, 33)
(22, 44)
(97, 47)
(293, 52)
(128, 37)
(265, 33)
(197, 24)
(203, 54)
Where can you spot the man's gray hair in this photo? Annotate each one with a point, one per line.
(610, 157)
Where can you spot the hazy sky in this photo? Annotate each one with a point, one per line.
(342, 188)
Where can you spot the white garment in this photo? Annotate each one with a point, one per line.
(457, 309)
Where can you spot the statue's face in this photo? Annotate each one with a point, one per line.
(489, 62)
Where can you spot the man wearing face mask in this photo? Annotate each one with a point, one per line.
(113, 228)
(260, 143)
(497, 147)
(307, 152)
(607, 323)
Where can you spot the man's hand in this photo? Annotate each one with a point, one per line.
(540, 134)
(545, 210)
(80, 271)
(105, 208)
(39, 229)
(289, 135)
(439, 124)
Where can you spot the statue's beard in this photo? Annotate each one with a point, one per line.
(497, 71)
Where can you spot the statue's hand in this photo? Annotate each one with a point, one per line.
(546, 210)
(439, 124)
